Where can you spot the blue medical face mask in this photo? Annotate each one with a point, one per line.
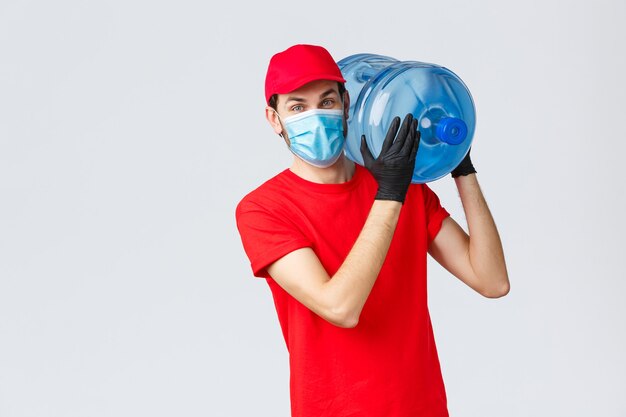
(316, 136)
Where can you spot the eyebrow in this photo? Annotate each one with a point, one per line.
(328, 92)
(298, 99)
(302, 100)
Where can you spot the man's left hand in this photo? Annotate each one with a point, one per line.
(465, 167)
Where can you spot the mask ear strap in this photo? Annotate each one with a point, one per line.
(281, 123)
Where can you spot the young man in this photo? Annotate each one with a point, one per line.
(343, 249)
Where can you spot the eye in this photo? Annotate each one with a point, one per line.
(328, 103)
(297, 107)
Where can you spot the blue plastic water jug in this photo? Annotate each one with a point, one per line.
(381, 88)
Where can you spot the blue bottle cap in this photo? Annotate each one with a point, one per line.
(451, 130)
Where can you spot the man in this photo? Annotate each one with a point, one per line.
(343, 249)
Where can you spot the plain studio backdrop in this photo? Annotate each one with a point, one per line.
(129, 131)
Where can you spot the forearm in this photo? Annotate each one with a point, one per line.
(352, 283)
(485, 252)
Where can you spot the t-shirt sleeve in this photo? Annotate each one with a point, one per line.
(435, 213)
(265, 236)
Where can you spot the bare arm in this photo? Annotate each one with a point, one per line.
(340, 300)
(477, 259)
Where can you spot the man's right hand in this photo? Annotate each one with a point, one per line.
(393, 169)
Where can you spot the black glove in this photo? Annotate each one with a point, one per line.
(465, 167)
(393, 169)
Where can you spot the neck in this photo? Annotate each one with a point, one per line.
(340, 171)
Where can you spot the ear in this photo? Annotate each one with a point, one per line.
(272, 118)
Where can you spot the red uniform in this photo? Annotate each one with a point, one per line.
(386, 366)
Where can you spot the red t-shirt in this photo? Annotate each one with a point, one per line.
(386, 366)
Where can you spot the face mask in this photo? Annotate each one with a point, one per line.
(316, 136)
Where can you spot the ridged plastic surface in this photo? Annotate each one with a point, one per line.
(382, 87)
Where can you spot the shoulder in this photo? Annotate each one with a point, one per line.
(265, 196)
(417, 193)
(421, 195)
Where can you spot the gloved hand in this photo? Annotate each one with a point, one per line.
(393, 169)
(465, 167)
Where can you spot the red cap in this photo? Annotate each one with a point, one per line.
(298, 65)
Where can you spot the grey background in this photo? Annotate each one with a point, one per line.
(129, 130)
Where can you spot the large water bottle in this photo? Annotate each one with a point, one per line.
(381, 88)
